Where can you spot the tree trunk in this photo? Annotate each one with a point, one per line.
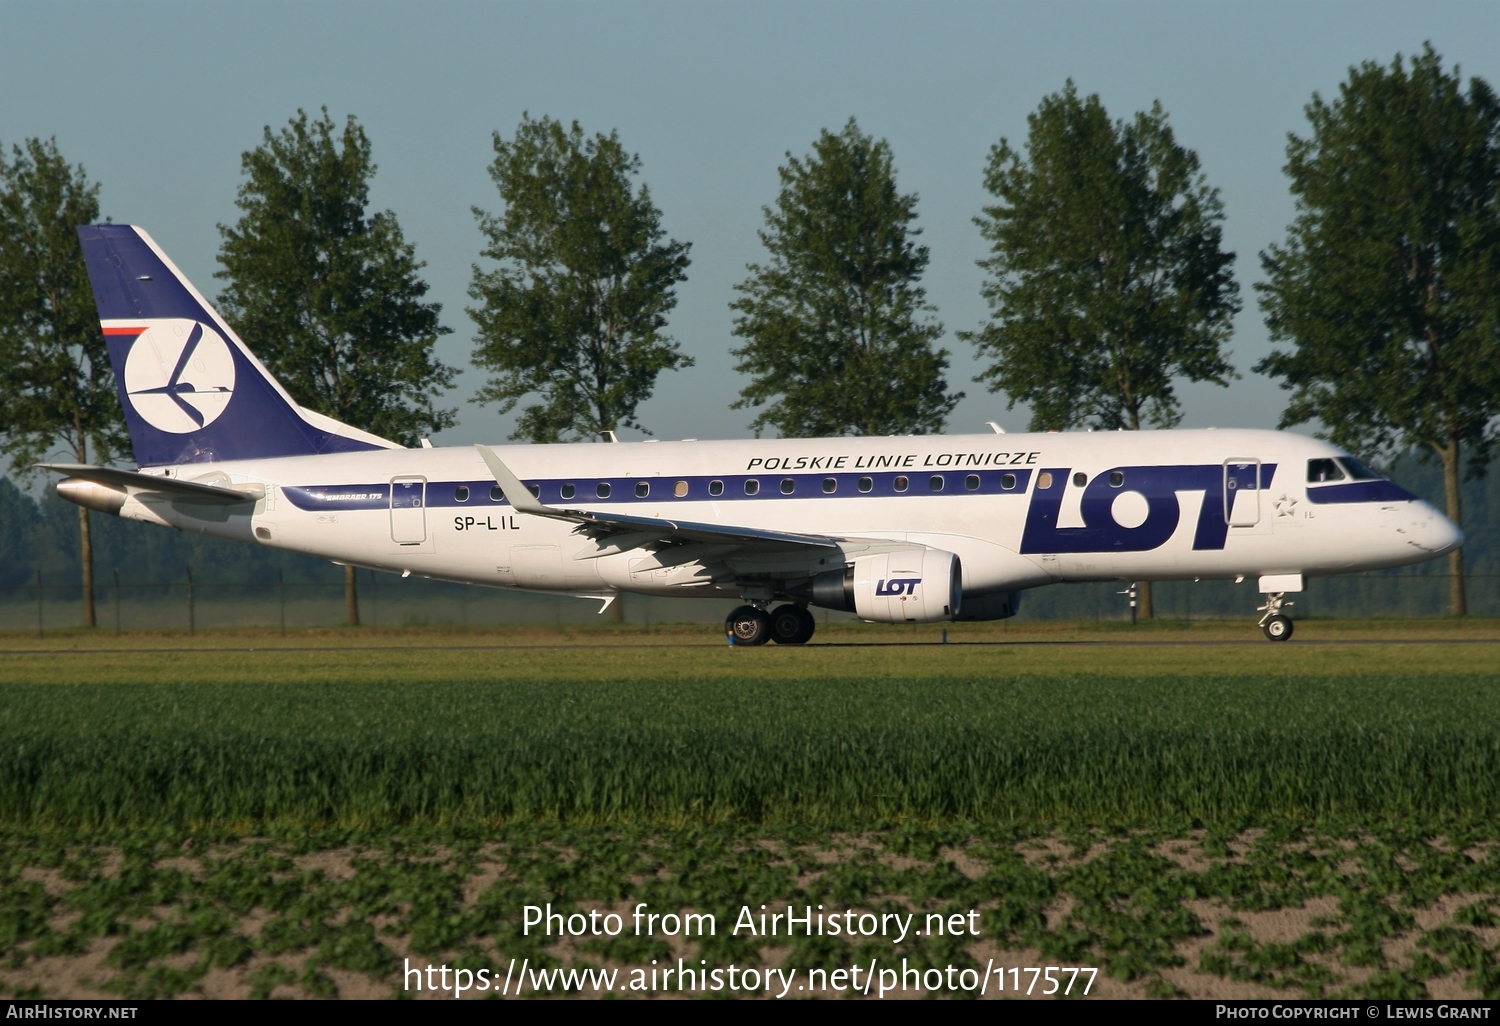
(85, 539)
(86, 559)
(351, 597)
(1458, 604)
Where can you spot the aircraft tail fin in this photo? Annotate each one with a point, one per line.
(191, 390)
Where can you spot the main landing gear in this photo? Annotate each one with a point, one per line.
(789, 624)
(1277, 626)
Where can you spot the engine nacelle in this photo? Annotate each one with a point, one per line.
(905, 586)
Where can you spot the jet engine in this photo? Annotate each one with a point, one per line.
(906, 586)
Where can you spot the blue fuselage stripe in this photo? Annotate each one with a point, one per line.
(622, 490)
(1359, 491)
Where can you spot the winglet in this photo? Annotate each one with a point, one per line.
(517, 494)
(522, 501)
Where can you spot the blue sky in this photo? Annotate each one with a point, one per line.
(158, 100)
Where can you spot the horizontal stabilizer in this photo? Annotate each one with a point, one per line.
(196, 490)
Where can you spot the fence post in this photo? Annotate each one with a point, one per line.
(191, 625)
(281, 585)
(117, 600)
(39, 603)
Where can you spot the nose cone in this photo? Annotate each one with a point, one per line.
(1442, 535)
(1430, 531)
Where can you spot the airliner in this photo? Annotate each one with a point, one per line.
(902, 529)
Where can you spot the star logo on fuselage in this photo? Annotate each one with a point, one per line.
(1286, 507)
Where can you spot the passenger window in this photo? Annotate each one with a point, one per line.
(1007, 481)
(602, 489)
(716, 488)
(935, 483)
(1357, 470)
(1320, 471)
(568, 491)
(830, 485)
(900, 484)
(496, 494)
(788, 486)
(865, 484)
(461, 493)
(1080, 479)
(1116, 478)
(751, 486)
(1044, 481)
(972, 482)
(680, 489)
(535, 490)
(642, 489)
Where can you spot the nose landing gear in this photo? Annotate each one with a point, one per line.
(1276, 625)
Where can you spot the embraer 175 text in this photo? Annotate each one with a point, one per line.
(912, 529)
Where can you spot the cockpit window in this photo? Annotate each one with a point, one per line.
(1323, 471)
(1357, 470)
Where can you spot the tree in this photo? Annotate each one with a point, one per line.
(328, 296)
(836, 334)
(1388, 284)
(1107, 277)
(575, 311)
(54, 370)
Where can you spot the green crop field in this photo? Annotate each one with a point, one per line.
(840, 736)
(249, 814)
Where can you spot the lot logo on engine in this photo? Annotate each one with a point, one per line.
(905, 586)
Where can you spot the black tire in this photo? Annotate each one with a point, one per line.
(748, 626)
(1278, 628)
(792, 625)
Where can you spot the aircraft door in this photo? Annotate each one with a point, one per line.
(408, 510)
(1242, 492)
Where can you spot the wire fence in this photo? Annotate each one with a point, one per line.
(191, 603)
(387, 600)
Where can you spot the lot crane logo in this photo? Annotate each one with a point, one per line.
(179, 375)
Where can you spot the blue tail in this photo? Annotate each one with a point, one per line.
(191, 391)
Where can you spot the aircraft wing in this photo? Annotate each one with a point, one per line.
(197, 490)
(601, 525)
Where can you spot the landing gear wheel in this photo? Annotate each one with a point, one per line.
(792, 625)
(748, 626)
(1278, 628)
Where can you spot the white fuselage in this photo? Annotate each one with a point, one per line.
(1019, 510)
